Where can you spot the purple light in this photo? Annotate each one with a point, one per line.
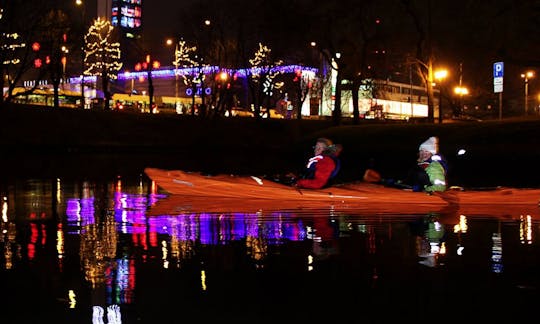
(169, 72)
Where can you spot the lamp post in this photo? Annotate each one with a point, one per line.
(440, 75)
(175, 62)
(526, 76)
(83, 47)
(461, 91)
(130, 77)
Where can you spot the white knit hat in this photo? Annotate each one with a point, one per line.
(431, 145)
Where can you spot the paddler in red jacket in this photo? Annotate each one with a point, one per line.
(322, 167)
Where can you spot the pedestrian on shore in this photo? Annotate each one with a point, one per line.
(323, 167)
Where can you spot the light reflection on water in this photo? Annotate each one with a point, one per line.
(91, 252)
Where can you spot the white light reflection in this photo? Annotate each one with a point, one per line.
(442, 249)
(141, 186)
(310, 233)
(72, 300)
(58, 190)
(4, 210)
(97, 315)
(203, 280)
(496, 253)
(525, 229)
(310, 262)
(60, 242)
(164, 253)
(124, 228)
(461, 227)
(113, 315)
(77, 213)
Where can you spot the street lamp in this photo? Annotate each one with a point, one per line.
(63, 60)
(461, 91)
(526, 76)
(440, 75)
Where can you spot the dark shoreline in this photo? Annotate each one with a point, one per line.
(45, 141)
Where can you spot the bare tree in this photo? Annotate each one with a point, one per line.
(55, 28)
(19, 21)
(351, 42)
(10, 45)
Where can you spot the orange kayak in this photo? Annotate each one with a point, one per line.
(198, 192)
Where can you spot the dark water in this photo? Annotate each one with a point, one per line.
(87, 251)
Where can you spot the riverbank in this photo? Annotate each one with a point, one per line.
(45, 141)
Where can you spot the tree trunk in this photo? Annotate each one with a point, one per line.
(150, 90)
(356, 111)
(105, 87)
(429, 88)
(336, 113)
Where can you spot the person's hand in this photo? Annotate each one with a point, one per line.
(289, 178)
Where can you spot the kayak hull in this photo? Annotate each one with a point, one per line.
(195, 191)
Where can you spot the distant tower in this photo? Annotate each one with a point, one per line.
(126, 14)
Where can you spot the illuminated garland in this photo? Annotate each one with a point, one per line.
(101, 56)
(241, 73)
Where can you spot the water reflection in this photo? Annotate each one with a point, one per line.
(93, 251)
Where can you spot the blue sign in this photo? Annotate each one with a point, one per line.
(498, 69)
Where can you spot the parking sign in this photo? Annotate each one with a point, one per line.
(498, 70)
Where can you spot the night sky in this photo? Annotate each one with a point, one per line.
(468, 34)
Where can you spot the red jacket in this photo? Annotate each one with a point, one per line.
(323, 171)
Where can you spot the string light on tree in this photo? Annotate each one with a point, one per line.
(193, 76)
(184, 57)
(8, 44)
(102, 56)
(262, 69)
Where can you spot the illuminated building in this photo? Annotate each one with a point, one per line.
(127, 14)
